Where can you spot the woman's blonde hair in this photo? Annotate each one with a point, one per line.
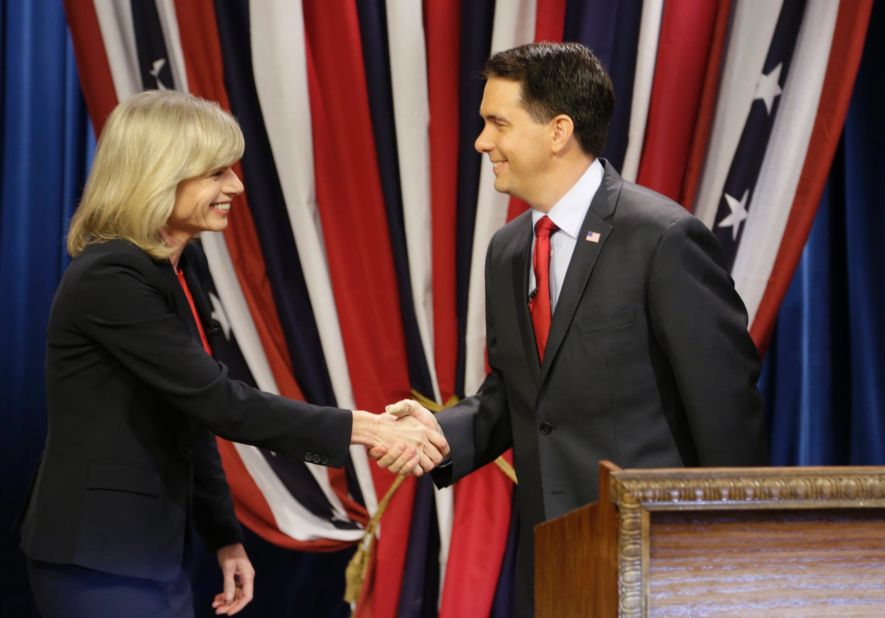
(150, 143)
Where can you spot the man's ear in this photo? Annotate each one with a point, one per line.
(563, 128)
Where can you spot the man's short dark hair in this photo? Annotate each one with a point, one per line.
(561, 78)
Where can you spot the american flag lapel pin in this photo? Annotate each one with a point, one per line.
(593, 236)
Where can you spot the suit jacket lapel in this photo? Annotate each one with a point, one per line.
(587, 250)
(521, 264)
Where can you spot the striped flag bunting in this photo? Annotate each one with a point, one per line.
(351, 273)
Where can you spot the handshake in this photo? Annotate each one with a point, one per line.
(406, 439)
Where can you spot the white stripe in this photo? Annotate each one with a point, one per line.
(514, 25)
(786, 153)
(445, 518)
(411, 113)
(750, 37)
(280, 67)
(646, 56)
(279, 64)
(411, 106)
(169, 23)
(118, 36)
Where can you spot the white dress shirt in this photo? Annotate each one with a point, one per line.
(568, 215)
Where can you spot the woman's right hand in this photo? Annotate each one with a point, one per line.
(408, 445)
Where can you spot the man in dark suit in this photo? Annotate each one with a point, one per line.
(614, 331)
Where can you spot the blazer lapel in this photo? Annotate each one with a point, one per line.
(201, 303)
(200, 300)
(594, 232)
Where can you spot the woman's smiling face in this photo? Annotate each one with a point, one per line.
(202, 204)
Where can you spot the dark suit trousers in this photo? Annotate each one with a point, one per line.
(70, 591)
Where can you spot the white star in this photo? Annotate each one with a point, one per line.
(738, 213)
(156, 67)
(219, 314)
(767, 88)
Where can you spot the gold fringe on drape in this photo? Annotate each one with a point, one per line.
(358, 566)
(355, 574)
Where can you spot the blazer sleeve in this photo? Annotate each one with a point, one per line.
(214, 514)
(478, 428)
(701, 324)
(117, 306)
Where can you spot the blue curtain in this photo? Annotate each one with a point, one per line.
(46, 148)
(824, 375)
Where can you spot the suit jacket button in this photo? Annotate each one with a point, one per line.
(324, 461)
(545, 428)
(308, 457)
(316, 458)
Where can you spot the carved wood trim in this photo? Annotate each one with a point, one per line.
(637, 493)
(808, 488)
(630, 557)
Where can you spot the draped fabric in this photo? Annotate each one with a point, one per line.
(824, 372)
(352, 270)
(45, 152)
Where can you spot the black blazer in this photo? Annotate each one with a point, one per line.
(648, 361)
(132, 398)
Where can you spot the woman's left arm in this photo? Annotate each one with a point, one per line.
(239, 579)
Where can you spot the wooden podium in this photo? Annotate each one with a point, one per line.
(718, 542)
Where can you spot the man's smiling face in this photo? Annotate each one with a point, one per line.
(518, 145)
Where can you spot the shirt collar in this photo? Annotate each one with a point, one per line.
(569, 212)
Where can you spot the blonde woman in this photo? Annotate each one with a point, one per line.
(134, 396)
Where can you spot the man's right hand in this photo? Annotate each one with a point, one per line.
(408, 409)
(403, 444)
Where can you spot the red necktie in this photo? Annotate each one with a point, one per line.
(540, 306)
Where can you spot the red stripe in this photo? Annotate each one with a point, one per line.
(697, 152)
(351, 206)
(848, 41)
(549, 20)
(516, 207)
(686, 37)
(92, 61)
(443, 31)
(479, 538)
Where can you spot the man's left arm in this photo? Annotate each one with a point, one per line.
(701, 324)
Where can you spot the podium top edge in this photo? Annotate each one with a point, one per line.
(624, 474)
